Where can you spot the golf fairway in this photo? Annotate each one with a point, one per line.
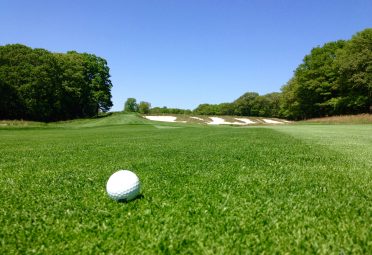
(205, 190)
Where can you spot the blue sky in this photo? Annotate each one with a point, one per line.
(180, 53)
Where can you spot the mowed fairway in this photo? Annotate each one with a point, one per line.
(205, 190)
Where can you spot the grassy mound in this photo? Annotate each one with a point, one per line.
(116, 118)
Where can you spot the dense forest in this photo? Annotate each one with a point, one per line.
(36, 84)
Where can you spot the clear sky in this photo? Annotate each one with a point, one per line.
(180, 53)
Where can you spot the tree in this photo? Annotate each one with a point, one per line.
(36, 84)
(144, 107)
(249, 104)
(225, 109)
(166, 110)
(131, 105)
(73, 86)
(8, 101)
(243, 104)
(13, 74)
(289, 104)
(206, 109)
(266, 106)
(333, 79)
(354, 65)
(98, 81)
(314, 84)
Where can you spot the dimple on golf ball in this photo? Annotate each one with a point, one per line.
(123, 185)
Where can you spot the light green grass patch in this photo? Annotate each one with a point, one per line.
(350, 140)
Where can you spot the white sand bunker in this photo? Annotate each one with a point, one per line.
(272, 121)
(245, 120)
(220, 121)
(162, 118)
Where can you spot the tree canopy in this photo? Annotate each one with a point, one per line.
(249, 104)
(36, 84)
(131, 105)
(333, 79)
(144, 107)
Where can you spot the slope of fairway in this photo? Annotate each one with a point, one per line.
(205, 190)
(117, 118)
(113, 119)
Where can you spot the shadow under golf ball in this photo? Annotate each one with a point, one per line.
(124, 200)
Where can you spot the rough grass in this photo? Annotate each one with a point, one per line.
(206, 190)
(345, 119)
(20, 123)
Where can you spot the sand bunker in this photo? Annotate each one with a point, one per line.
(245, 120)
(272, 121)
(220, 121)
(162, 118)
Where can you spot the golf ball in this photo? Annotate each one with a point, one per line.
(123, 185)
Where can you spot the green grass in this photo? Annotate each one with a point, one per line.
(206, 190)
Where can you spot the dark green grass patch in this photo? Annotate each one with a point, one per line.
(206, 190)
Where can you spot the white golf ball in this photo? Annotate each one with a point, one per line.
(123, 185)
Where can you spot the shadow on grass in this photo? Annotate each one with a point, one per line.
(125, 201)
(102, 115)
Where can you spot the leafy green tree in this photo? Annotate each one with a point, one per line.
(289, 103)
(274, 100)
(166, 110)
(157, 110)
(249, 104)
(314, 84)
(354, 65)
(206, 109)
(39, 85)
(14, 73)
(131, 105)
(266, 106)
(333, 79)
(72, 86)
(98, 83)
(243, 105)
(41, 94)
(8, 101)
(317, 80)
(144, 107)
(225, 109)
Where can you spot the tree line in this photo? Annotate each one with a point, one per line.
(333, 79)
(249, 104)
(36, 84)
(144, 107)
